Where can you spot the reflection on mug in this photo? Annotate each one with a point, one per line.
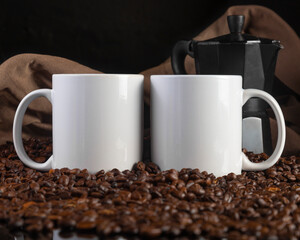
(60, 235)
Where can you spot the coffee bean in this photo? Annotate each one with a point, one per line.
(262, 202)
(10, 194)
(150, 231)
(67, 222)
(64, 180)
(34, 186)
(85, 225)
(48, 225)
(75, 171)
(34, 226)
(196, 189)
(150, 202)
(194, 229)
(291, 177)
(172, 175)
(140, 166)
(40, 159)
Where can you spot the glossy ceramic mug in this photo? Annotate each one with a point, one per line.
(97, 121)
(196, 122)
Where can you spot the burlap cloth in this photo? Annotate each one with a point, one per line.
(24, 73)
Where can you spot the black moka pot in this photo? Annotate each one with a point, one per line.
(238, 54)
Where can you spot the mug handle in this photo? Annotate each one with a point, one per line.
(246, 163)
(17, 130)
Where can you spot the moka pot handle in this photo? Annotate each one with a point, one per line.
(179, 52)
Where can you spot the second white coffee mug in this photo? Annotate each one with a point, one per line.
(196, 122)
(97, 121)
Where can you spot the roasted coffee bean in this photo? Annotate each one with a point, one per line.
(230, 177)
(34, 186)
(172, 175)
(86, 225)
(150, 202)
(196, 189)
(139, 166)
(150, 231)
(67, 222)
(64, 180)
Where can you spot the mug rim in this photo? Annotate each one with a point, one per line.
(197, 76)
(96, 75)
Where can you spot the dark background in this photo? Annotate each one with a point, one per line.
(115, 36)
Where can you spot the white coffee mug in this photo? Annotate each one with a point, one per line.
(97, 121)
(196, 122)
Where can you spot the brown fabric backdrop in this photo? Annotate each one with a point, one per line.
(24, 73)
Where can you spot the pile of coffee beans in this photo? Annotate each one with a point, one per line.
(147, 202)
